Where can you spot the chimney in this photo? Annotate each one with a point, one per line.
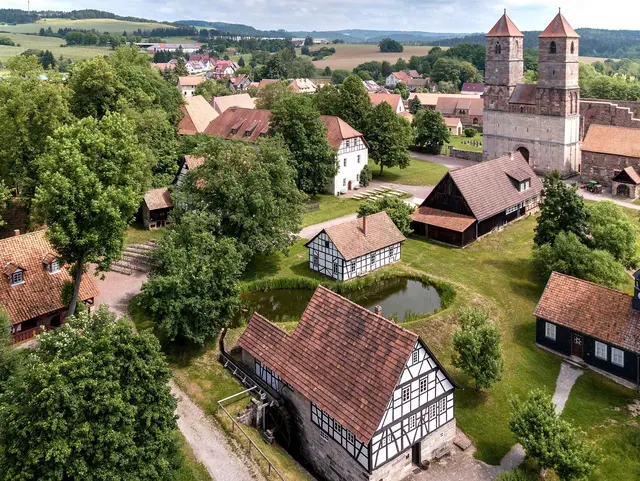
(16, 232)
(510, 155)
(635, 303)
(364, 225)
(377, 310)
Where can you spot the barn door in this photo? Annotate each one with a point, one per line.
(577, 345)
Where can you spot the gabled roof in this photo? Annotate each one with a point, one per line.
(452, 121)
(342, 357)
(610, 139)
(450, 105)
(473, 87)
(338, 130)
(487, 187)
(158, 199)
(391, 99)
(303, 85)
(198, 113)
(559, 28)
(442, 218)
(402, 76)
(591, 309)
(351, 242)
(524, 94)
(414, 74)
(266, 81)
(220, 104)
(192, 81)
(504, 28)
(627, 175)
(238, 119)
(41, 292)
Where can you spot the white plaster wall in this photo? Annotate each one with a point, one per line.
(356, 159)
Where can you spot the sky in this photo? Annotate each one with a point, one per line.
(425, 15)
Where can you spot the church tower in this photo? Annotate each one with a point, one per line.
(558, 89)
(504, 63)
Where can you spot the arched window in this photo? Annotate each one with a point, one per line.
(521, 110)
(498, 48)
(573, 48)
(552, 47)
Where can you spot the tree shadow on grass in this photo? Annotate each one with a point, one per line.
(262, 266)
(519, 276)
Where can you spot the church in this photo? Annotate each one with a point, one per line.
(541, 121)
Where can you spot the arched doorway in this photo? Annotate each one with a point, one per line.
(524, 152)
(349, 186)
(622, 190)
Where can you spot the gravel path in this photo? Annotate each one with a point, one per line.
(209, 445)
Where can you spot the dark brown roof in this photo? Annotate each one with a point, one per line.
(41, 292)
(158, 199)
(487, 188)
(524, 94)
(266, 81)
(351, 242)
(473, 87)
(240, 120)
(559, 28)
(186, 125)
(342, 357)
(442, 218)
(609, 139)
(627, 175)
(591, 309)
(504, 28)
(338, 130)
(518, 174)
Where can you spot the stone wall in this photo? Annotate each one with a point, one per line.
(465, 154)
(633, 190)
(608, 112)
(603, 167)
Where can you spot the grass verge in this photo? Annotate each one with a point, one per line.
(419, 172)
(331, 207)
(191, 469)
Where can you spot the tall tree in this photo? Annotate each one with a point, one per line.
(213, 88)
(193, 289)
(327, 100)
(308, 41)
(251, 191)
(92, 403)
(339, 75)
(389, 136)
(9, 362)
(355, 103)
(612, 231)
(95, 87)
(92, 178)
(390, 45)
(562, 210)
(478, 349)
(180, 69)
(430, 131)
(271, 94)
(298, 122)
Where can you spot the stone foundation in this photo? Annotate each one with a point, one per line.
(465, 154)
(603, 167)
(633, 190)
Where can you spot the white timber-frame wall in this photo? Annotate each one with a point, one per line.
(325, 258)
(352, 156)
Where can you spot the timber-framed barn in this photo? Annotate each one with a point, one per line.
(368, 399)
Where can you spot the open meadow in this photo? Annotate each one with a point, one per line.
(100, 24)
(350, 55)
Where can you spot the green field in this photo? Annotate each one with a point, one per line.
(56, 45)
(419, 172)
(100, 24)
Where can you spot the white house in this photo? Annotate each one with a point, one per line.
(396, 77)
(356, 247)
(367, 399)
(187, 85)
(353, 153)
(395, 100)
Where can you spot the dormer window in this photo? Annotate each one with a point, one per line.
(17, 277)
(526, 185)
(54, 266)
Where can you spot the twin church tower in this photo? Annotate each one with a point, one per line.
(542, 120)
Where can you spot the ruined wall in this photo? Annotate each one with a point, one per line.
(608, 112)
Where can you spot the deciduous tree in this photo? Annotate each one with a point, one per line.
(95, 88)
(271, 94)
(430, 131)
(390, 45)
(397, 209)
(92, 178)
(339, 75)
(389, 136)
(612, 231)
(478, 349)
(213, 88)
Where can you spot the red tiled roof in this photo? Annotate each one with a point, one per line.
(190, 81)
(342, 357)
(158, 199)
(449, 105)
(487, 188)
(41, 292)
(442, 218)
(473, 87)
(559, 28)
(609, 139)
(391, 99)
(186, 125)
(239, 119)
(351, 242)
(452, 121)
(402, 76)
(266, 81)
(591, 309)
(414, 74)
(504, 28)
(338, 130)
(524, 94)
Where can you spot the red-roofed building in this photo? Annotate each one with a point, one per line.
(396, 77)
(395, 100)
(368, 399)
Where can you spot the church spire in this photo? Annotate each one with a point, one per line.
(559, 28)
(505, 28)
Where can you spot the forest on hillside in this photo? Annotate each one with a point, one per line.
(14, 15)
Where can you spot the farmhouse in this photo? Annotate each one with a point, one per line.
(395, 100)
(594, 325)
(187, 85)
(388, 408)
(396, 77)
(472, 201)
(198, 113)
(240, 123)
(356, 247)
(241, 82)
(373, 88)
(155, 208)
(32, 285)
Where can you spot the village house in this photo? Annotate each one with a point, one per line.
(165, 66)
(606, 151)
(196, 67)
(453, 125)
(593, 325)
(222, 69)
(303, 86)
(471, 88)
(414, 74)
(221, 104)
(395, 100)
(172, 47)
(388, 409)
(34, 278)
(473, 201)
(155, 208)
(266, 81)
(356, 247)
(396, 77)
(373, 88)
(190, 162)
(418, 83)
(198, 114)
(468, 108)
(187, 85)
(240, 123)
(241, 82)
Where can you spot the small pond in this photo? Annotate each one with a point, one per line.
(399, 298)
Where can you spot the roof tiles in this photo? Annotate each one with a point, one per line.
(559, 28)
(504, 28)
(609, 139)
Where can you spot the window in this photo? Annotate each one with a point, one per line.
(54, 266)
(326, 244)
(315, 260)
(552, 48)
(357, 177)
(550, 331)
(595, 170)
(352, 266)
(358, 159)
(344, 181)
(442, 406)
(337, 427)
(412, 421)
(344, 162)
(414, 357)
(324, 436)
(573, 48)
(391, 251)
(617, 357)
(336, 268)
(373, 258)
(351, 438)
(17, 278)
(601, 350)
(406, 394)
(390, 438)
(423, 385)
(433, 411)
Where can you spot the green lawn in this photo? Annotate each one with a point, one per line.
(419, 172)
(137, 235)
(458, 143)
(331, 207)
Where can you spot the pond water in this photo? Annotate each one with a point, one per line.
(399, 299)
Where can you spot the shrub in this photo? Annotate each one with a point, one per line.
(398, 210)
(366, 174)
(470, 132)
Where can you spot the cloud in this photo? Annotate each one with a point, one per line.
(425, 15)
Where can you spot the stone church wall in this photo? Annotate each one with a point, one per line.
(608, 112)
(603, 167)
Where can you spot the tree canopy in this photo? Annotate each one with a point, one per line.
(390, 45)
(430, 130)
(397, 210)
(612, 231)
(213, 88)
(389, 136)
(271, 94)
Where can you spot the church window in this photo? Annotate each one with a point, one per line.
(573, 48)
(498, 48)
(552, 48)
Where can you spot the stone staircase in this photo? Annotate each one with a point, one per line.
(136, 258)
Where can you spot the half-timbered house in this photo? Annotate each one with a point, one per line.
(472, 201)
(32, 284)
(355, 247)
(594, 325)
(155, 208)
(388, 408)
